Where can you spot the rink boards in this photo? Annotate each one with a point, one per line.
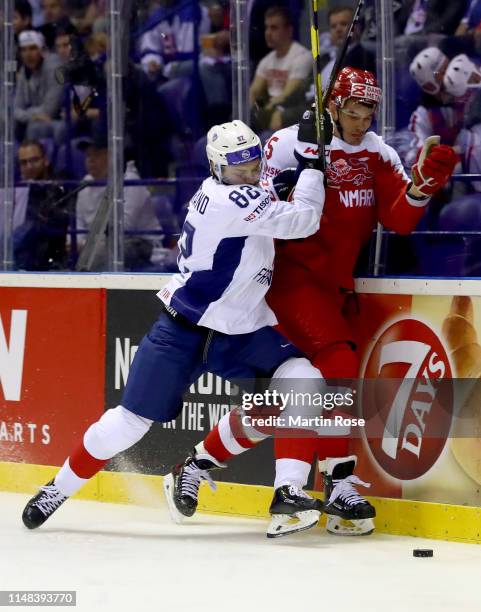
(66, 344)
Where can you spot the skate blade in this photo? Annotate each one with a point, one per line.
(285, 524)
(175, 515)
(341, 527)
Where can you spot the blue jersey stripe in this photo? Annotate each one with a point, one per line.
(207, 286)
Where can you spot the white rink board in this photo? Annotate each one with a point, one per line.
(124, 558)
(409, 286)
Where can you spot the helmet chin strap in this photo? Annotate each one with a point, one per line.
(337, 123)
(216, 172)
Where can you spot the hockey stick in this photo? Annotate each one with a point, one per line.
(314, 6)
(96, 233)
(342, 53)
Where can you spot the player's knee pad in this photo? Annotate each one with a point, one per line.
(338, 360)
(117, 430)
(297, 367)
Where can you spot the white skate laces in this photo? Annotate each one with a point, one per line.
(50, 500)
(298, 492)
(345, 490)
(191, 478)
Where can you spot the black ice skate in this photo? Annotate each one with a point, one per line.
(42, 505)
(292, 510)
(181, 486)
(348, 513)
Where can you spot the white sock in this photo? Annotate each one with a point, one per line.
(67, 480)
(291, 472)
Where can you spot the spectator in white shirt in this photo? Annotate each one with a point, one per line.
(277, 91)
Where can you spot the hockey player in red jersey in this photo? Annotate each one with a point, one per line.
(366, 183)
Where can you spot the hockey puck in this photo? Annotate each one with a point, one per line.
(423, 552)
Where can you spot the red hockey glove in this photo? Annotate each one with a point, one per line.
(433, 168)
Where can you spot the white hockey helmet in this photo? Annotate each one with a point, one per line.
(231, 144)
(460, 75)
(426, 66)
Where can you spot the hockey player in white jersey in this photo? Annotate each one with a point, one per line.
(215, 319)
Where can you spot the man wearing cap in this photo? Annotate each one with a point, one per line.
(38, 96)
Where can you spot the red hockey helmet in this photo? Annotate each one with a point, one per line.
(355, 83)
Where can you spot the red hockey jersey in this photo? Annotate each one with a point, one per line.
(366, 183)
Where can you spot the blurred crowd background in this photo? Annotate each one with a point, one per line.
(177, 81)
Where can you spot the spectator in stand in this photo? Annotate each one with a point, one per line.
(401, 10)
(169, 52)
(62, 46)
(257, 10)
(22, 17)
(55, 18)
(471, 22)
(164, 46)
(38, 95)
(429, 21)
(277, 93)
(339, 19)
(467, 38)
(357, 56)
(22, 20)
(81, 122)
(434, 17)
(96, 48)
(147, 127)
(40, 213)
(139, 215)
(37, 14)
(215, 65)
(88, 16)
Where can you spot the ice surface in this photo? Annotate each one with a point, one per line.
(133, 558)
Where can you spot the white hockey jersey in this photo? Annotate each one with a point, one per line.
(227, 251)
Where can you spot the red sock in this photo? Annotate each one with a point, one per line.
(83, 464)
(336, 361)
(228, 438)
(332, 447)
(295, 447)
